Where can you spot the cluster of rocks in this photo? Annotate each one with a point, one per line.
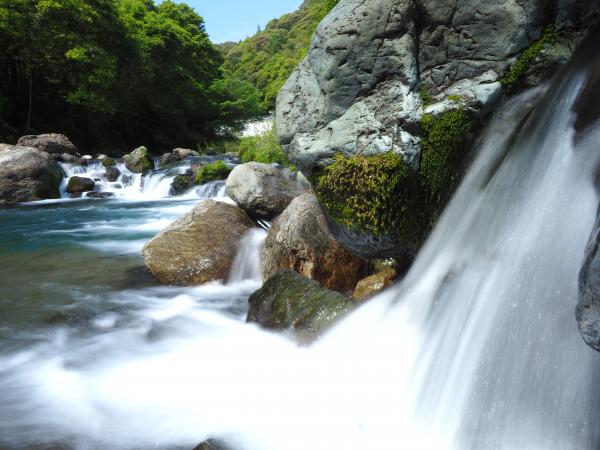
(310, 277)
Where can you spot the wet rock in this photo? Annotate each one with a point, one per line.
(211, 444)
(374, 284)
(167, 159)
(183, 153)
(51, 143)
(588, 307)
(96, 194)
(27, 174)
(299, 240)
(288, 300)
(182, 183)
(199, 247)
(264, 190)
(77, 185)
(139, 160)
(71, 159)
(112, 174)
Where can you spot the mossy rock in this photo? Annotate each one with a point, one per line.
(109, 162)
(212, 172)
(288, 300)
(139, 160)
(378, 206)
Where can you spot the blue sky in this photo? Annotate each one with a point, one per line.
(233, 20)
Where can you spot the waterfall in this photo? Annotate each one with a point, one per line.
(477, 348)
(246, 264)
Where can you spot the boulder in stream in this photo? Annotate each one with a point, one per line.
(139, 160)
(288, 300)
(264, 190)
(300, 240)
(374, 284)
(78, 185)
(112, 174)
(27, 174)
(199, 247)
(52, 143)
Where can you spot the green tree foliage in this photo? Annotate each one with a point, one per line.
(115, 73)
(267, 59)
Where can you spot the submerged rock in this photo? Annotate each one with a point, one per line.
(27, 174)
(52, 143)
(77, 185)
(299, 240)
(374, 284)
(139, 160)
(288, 300)
(199, 247)
(264, 190)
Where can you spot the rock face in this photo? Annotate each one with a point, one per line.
(52, 143)
(78, 185)
(263, 190)
(139, 160)
(359, 89)
(588, 308)
(299, 240)
(382, 75)
(27, 174)
(289, 300)
(199, 247)
(374, 284)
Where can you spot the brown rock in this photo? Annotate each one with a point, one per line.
(374, 284)
(199, 247)
(300, 240)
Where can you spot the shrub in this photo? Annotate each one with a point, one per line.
(211, 172)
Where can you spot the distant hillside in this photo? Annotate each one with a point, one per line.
(267, 59)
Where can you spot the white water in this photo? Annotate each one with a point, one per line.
(477, 349)
(246, 264)
(155, 185)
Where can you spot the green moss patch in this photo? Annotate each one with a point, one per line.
(381, 195)
(211, 172)
(519, 68)
(109, 162)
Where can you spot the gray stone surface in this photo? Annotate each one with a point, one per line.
(27, 174)
(52, 143)
(358, 89)
(264, 190)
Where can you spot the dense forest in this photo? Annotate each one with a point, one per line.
(113, 74)
(268, 58)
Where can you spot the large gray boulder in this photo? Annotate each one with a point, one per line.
(139, 160)
(264, 190)
(27, 174)
(359, 89)
(52, 143)
(290, 301)
(300, 240)
(199, 247)
(79, 185)
(415, 79)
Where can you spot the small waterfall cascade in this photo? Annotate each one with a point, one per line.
(246, 264)
(154, 185)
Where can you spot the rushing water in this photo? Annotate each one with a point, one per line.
(477, 348)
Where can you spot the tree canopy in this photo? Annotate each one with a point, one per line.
(115, 74)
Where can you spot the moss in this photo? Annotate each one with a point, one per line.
(377, 194)
(442, 139)
(109, 162)
(519, 68)
(455, 98)
(381, 195)
(211, 172)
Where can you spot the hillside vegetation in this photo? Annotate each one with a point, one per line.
(267, 59)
